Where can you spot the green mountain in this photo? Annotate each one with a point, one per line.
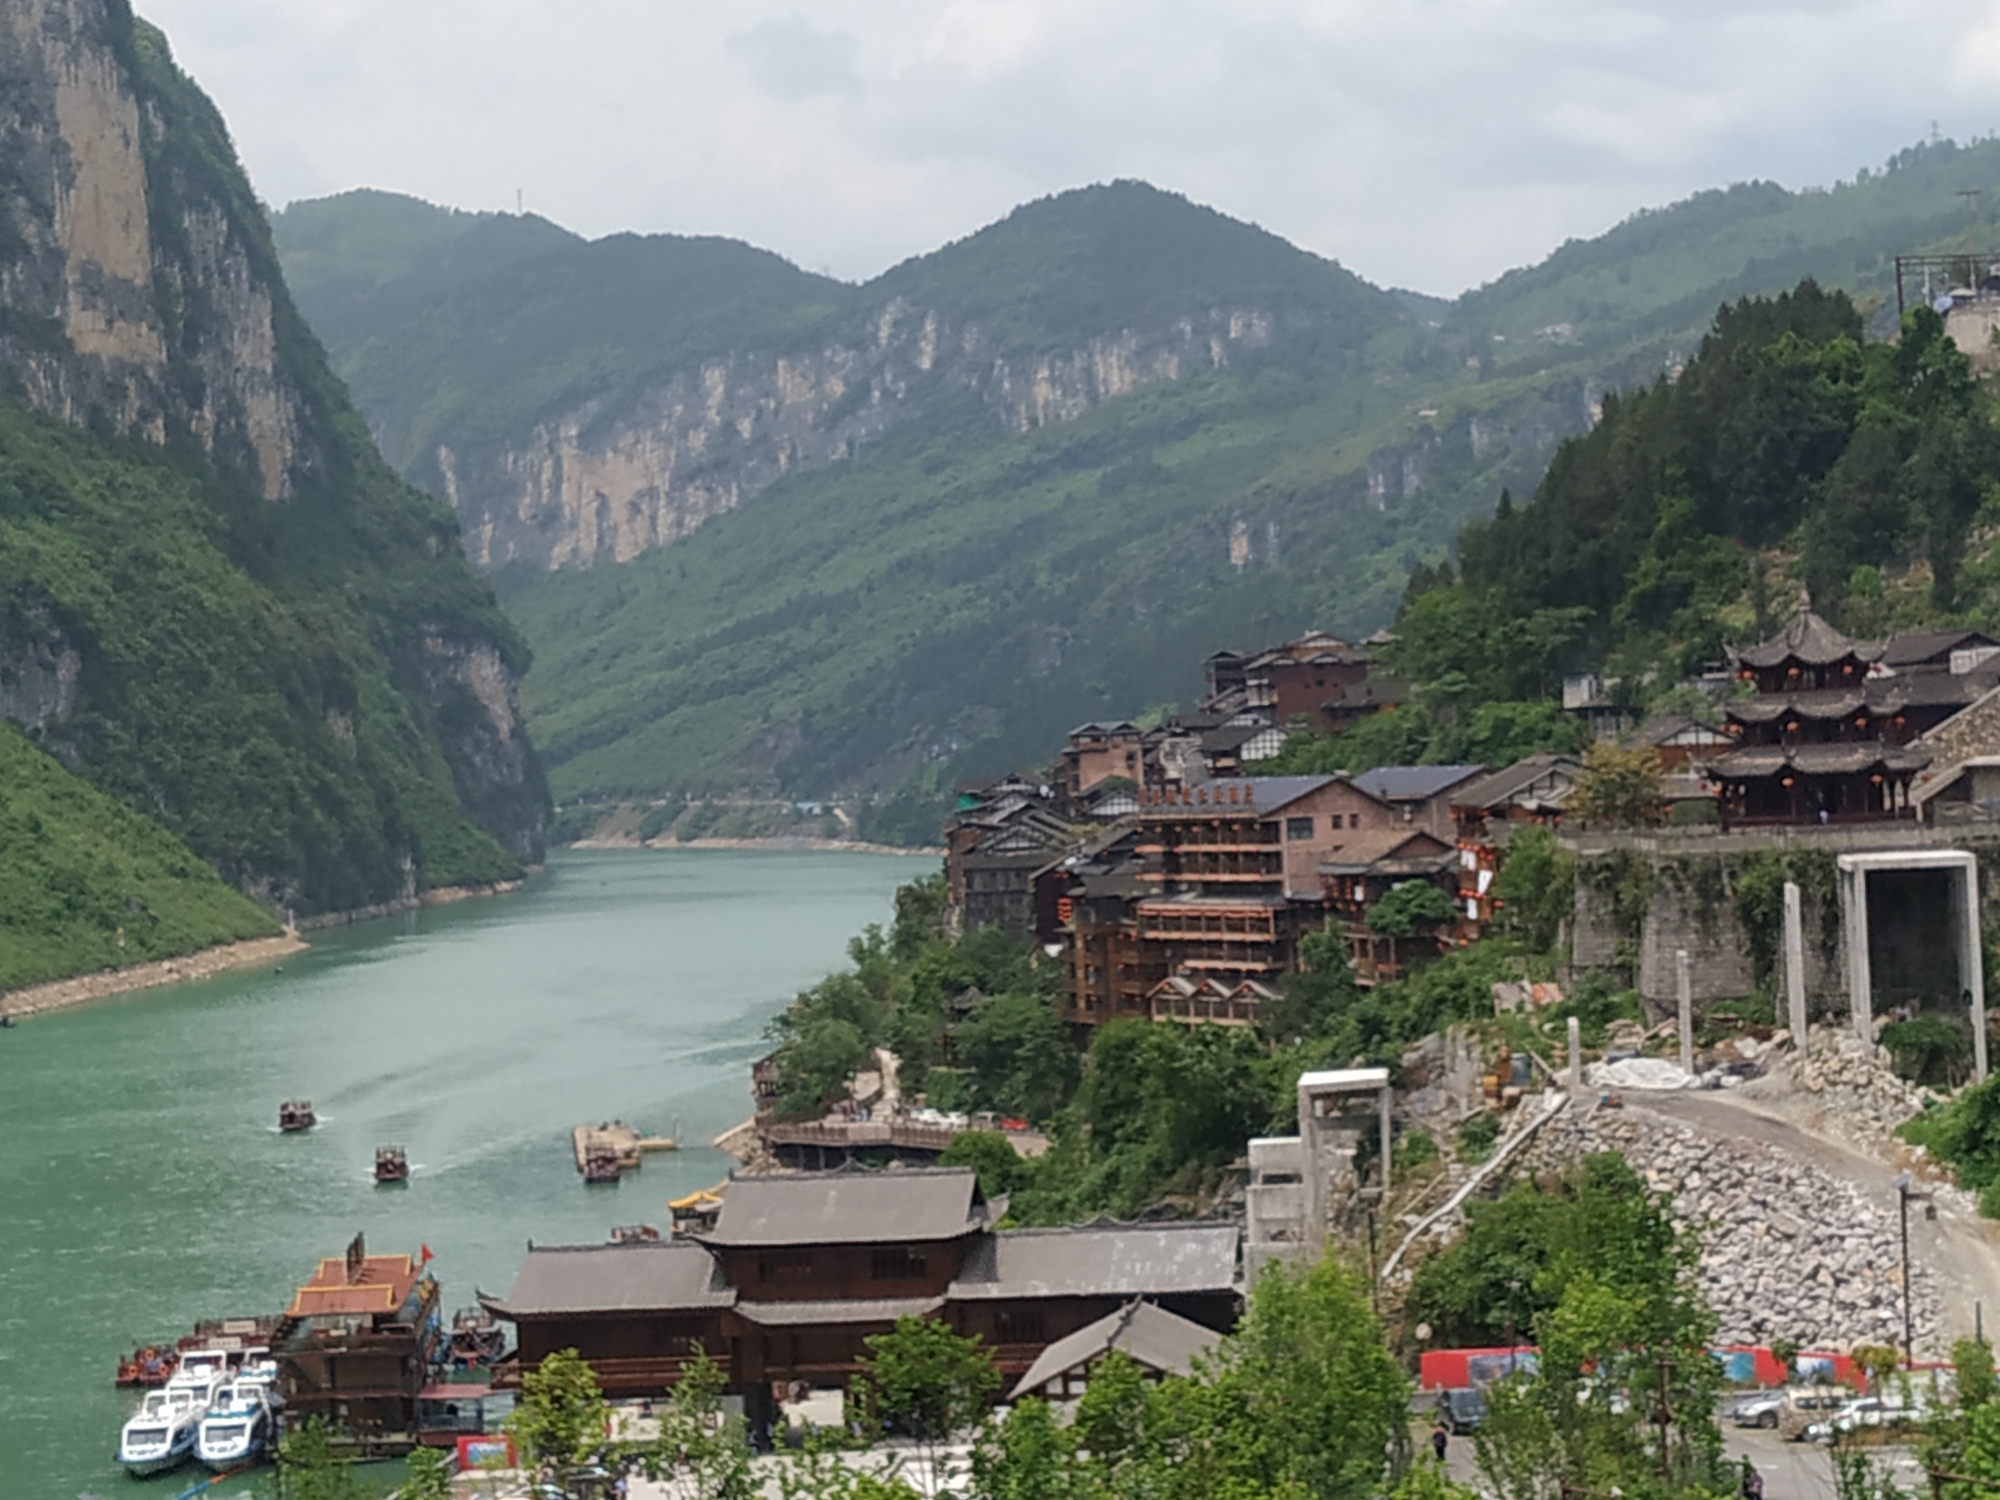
(87, 883)
(772, 533)
(218, 604)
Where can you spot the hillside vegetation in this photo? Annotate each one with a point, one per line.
(236, 621)
(87, 883)
(956, 592)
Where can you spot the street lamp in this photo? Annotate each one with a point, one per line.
(1903, 1197)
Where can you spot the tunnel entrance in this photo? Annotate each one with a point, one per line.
(1911, 925)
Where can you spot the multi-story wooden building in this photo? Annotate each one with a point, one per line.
(802, 1267)
(357, 1344)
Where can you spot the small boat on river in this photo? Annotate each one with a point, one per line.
(601, 1164)
(476, 1339)
(295, 1115)
(392, 1164)
(149, 1366)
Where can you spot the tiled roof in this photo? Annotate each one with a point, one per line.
(858, 1310)
(382, 1288)
(1150, 1335)
(1412, 783)
(1095, 1260)
(1807, 638)
(646, 1276)
(849, 1208)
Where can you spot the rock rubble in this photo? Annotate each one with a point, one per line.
(1852, 1087)
(1788, 1251)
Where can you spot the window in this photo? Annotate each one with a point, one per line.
(785, 1265)
(1019, 1325)
(1298, 828)
(903, 1263)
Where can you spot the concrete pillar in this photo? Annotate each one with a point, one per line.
(1575, 1055)
(1971, 962)
(1387, 1101)
(1684, 985)
(1854, 924)
(1795, 965)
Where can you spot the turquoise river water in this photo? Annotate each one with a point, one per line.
(143, 1183)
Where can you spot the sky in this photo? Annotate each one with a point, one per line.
(1430, 144)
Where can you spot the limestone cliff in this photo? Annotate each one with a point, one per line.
(611, 478)
(141, 298)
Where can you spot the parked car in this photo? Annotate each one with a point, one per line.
(1803, 1406)
(1756, 1409)
(1462, 1408)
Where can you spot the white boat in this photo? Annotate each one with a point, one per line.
(238, 1426)
(162, 1432)
(203, 1370)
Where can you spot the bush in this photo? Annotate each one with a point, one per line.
(1477, 1135)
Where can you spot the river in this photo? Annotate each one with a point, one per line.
(143, 1183)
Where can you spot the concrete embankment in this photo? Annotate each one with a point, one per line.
(209, 961)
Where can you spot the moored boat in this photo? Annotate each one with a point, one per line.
(239, 1425)
(295, 1115)
(149, 1366)
(601, 1164)
(161, 1433)
(476, 1339)
(392, 1164)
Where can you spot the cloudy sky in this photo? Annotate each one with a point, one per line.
(1425, 143)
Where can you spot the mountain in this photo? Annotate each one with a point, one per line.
(776, 534)
(218, 605)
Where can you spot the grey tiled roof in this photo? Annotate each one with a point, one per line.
(644, 1277)
(849, 1208)
(1094, 1260)
(1412, 783)
(1155, 1338)
(869, 1310)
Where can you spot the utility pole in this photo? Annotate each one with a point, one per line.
(1971, 197)
(1903, 1197)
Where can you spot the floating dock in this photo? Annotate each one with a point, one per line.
(621, 1140)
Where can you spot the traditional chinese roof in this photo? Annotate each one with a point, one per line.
(1809, 639)
(1839, 759)
(1922, 647)
(1503, 787)
(850, 1208)
(1151, 1336)
(382, 1287)
(858, 1310)
(1095, 1260)
(642, 1276)
(1256, 796)
(1388, 851)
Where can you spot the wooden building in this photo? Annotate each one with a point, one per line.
(358, 1343)
(1825, 738)
(801, 1268)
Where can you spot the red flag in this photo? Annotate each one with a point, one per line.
(423, 1255)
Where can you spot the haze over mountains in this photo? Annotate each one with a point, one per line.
(778, 534)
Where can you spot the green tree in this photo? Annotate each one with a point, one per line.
(561, 1420)
(1027, 1455)
(1535, 889)
(702, 1453)
(1414, 906)
(1619, 787)
(1314, 996)
(924, 1381)
(1022, 1061)
(308, 1467)
(1000, 1168)
(430, 1476)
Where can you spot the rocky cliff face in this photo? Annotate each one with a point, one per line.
(605, 482)
(140, 295)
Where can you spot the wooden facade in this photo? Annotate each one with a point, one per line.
(358, 1343)
(789, 1287)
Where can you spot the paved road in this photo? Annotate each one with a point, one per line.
(1792, 1471)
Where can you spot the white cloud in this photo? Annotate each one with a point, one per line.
(1431, 143)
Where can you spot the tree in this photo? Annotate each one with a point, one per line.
(1412, 907)
(1619, 788)
(992, 1157)
(561, 1420)
(430, 1476)
(1536, 889)
(1028, 1455)
(702, 1453)
(1312, 998)
(309, 1469)
(927, 1383)
(1022, 1062)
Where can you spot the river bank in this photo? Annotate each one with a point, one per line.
(204, 964)
(444, 895)
(782, 844)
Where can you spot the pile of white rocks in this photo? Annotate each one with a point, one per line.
(1853, 1087)
(1788, 1252)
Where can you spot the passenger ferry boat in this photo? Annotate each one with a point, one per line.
(391, 1164)
(162, 1432)
(295, 1115)
(238, 1427)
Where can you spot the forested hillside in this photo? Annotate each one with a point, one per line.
(1791, 454)
(218, 605)
(860, 541)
